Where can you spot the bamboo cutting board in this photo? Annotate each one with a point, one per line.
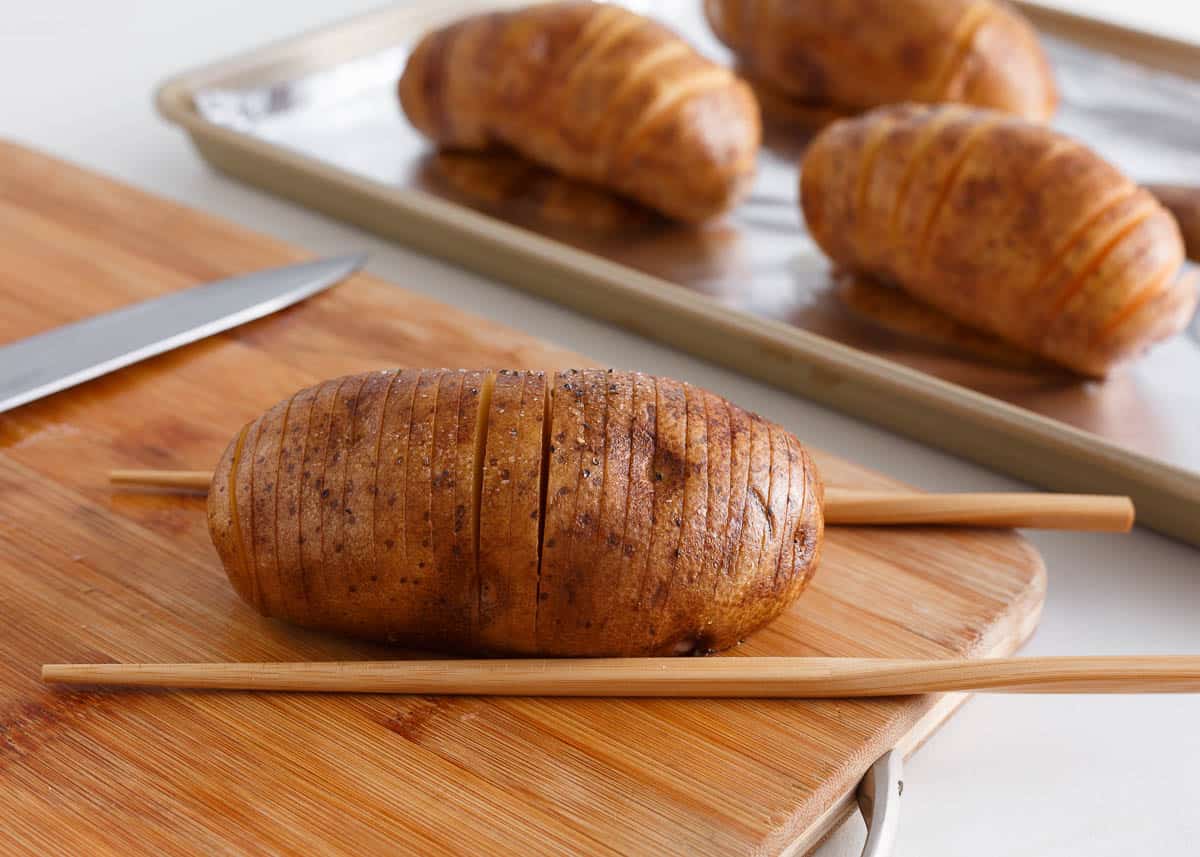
(91, 575)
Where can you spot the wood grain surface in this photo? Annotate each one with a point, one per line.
(91, 574)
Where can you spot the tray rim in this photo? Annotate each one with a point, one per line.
(930, 410)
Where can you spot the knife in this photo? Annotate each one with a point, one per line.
(57, 359)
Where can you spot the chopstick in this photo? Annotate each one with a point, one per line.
(179, 480)
(844, 506)
(664, 677)
(1094, 512)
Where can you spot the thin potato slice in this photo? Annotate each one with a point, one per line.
(358, 507)
(682, 629)
(447, 526)
(567, 445)
(498, 622)
(242, 507)
(575, 603)
(718, 507)
(392, 609)
(630, 626)
(529, 504)
(311, 572)
(610, 572)
(222, 519)
(334, 567)
(670, 472)
(426, 585)
(748, 584)
(473, 406)
(287, 508)
(263, 471)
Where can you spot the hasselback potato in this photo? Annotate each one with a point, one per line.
(858, 54)
(1003, 224)
(594, 513)
(596, 92)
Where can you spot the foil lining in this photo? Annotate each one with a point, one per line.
(759, 258)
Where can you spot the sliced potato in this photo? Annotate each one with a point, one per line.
(1004, 225)
(607, 513)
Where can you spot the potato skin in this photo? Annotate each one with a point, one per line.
(1004, 225)
(510, 512)
(595, 92)
(674, 522)
(858, 54)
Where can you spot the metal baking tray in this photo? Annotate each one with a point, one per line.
(316, 119)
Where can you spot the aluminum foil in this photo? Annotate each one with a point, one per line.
(759, 259)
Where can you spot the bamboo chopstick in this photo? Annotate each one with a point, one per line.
(1095, 512)
(663, 677)
(182, 480)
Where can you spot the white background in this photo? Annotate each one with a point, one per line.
(1178, 18)
(1008, 775)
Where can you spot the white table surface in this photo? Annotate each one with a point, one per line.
(1051, 775)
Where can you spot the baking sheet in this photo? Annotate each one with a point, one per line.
(759, 259)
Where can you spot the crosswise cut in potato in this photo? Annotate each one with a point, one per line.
(594, 513)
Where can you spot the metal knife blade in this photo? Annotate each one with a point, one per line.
(57, 359)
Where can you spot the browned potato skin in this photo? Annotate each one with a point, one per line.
(674, 522)
(509, 514)
(557, 589)
(596, 92)
(396, 587)
(1004, 225)
(858, 54)
(576, 606)
(223, 519)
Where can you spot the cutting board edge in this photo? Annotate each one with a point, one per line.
(1026, 613)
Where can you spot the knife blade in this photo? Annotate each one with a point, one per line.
(73, 353)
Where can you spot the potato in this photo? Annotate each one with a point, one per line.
(595, 92)
(1004, 225)
(858, 54)
(600, 513)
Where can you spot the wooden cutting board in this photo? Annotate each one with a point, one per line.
(87, 574)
